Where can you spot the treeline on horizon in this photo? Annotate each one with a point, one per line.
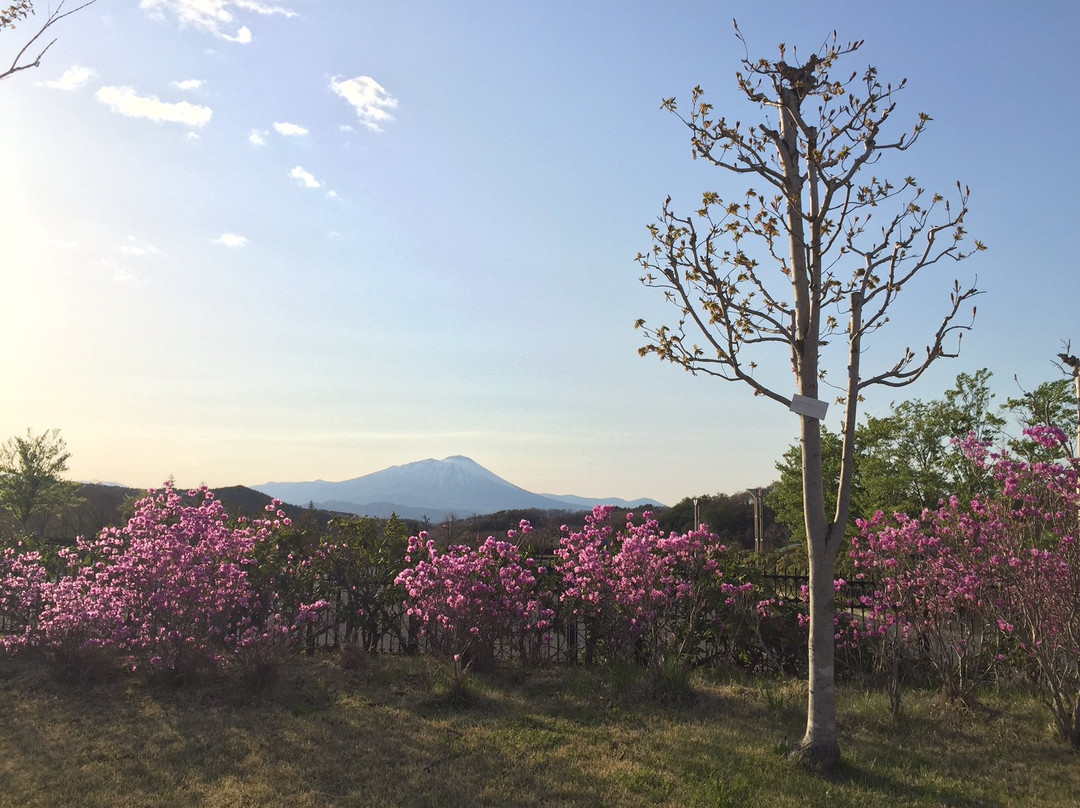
(907, 460)
(98, 506)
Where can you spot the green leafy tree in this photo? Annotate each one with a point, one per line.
(904, 461)
(31, 481)
(785, 498)
(909, 459)
(1050, 404)
(729, 516)
(820, 218)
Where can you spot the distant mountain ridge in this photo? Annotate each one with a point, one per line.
(436, 489)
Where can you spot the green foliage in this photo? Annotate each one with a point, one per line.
(908, 459)
(30, 477)
(1050, 404)
(729, 516)
(905, 461)
(786, 495)
(351, 563)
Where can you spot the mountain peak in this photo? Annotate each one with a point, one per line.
(437, 488)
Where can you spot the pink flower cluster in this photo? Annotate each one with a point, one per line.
(962, 580)
(22, 574)
(467, 600)
(636, 590)
(171, 589)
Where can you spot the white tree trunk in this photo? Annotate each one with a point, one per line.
(820, 746)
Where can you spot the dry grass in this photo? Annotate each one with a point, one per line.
(387, 732)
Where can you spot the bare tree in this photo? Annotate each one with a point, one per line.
(30, 54)
(819, 224)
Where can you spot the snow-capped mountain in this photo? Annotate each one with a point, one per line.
(433, 488)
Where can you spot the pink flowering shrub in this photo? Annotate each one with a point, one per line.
(1035, 569)
(761, 629)
(467, 600)
(171, 589)
(22, 574)
(932, 591)
(958, 581)
(640, 595)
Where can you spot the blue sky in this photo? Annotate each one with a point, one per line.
(266, 240)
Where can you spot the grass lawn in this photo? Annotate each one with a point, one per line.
(385, 733)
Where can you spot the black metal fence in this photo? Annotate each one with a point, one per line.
(393, 631)
(566, 641)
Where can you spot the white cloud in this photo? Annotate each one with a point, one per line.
(135, 247)
(231, 240)
(128, 102)
(243, 36)
(188, 84)
(370, 100)
(257, 137)
(259, 8)
(305, 178)
(290, 129)
(121, 273)
(74, 78)
(214, 16)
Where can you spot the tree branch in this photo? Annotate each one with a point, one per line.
(54, 17)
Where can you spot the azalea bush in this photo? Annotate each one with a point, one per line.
(932, 590)
(1035, 567)
(646, 597)
(171, 590)
(22, 573)
(962, 581)
(467, 600)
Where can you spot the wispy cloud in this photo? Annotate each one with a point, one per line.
(257, 137)
(134, 246)
(214, 16)
(262, 8)
(305, 178)
(188, 84)
(370, 100)
(127, 101)
(231, 240)
(290, 129)
(74, 78)
(121, 273)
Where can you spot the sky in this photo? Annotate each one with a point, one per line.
(281, 240)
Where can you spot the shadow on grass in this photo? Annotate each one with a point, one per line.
(383, 733)
(320, 737)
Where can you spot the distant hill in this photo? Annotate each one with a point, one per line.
(110, 505)
(436, 489)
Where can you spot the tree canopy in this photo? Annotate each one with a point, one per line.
(31, 481)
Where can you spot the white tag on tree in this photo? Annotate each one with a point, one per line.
(810, 407)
